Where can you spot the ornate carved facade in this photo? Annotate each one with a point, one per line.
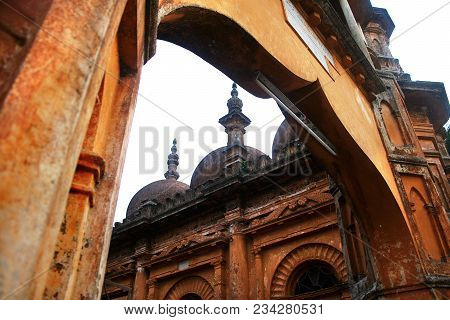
(274, 228)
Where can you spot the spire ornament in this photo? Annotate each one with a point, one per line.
(172, 162)
(234, 103)
(235, 123)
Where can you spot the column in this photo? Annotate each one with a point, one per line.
(259, 274)
(238, 265)
(115, 124)
(62, 276)
(219, 279)
(152, 289)
(140, 284)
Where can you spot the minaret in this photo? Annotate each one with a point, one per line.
(235, 123)
(172, 163)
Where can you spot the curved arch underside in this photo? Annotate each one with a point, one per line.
(242, 37)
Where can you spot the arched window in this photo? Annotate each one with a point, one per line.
(312, 276)
(310, 267)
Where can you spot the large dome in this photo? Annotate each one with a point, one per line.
(213, 165)
(286, 141)
(157, 191)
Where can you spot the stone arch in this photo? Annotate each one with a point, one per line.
(224, 43)
(309, 252)
(193, 285)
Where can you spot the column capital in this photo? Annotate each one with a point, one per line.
(257, 251)
(152, 282)
(218, 263)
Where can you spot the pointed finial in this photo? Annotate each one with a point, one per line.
(234, 92)
(234, 103)
(174, 146)
(172, 162)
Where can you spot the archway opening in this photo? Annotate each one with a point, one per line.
(184, 101)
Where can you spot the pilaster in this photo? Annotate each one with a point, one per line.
(152, 289)
(259, 274)
(238, 263)
(219, 279)
(62, 276)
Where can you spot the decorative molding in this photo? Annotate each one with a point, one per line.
(290, 207)
(120, 267)
(187, 242)
(92, 164)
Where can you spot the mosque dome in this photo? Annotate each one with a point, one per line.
(287, 142)
(214, 165)
(161, 190)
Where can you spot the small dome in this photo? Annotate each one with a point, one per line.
(157, 191)
(213, 165)
(161, 190)
(286, 141)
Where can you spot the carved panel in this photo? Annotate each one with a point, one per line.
(290, 207)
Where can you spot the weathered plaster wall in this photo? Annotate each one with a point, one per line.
(42, 131)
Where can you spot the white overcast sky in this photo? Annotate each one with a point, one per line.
(193, 95)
